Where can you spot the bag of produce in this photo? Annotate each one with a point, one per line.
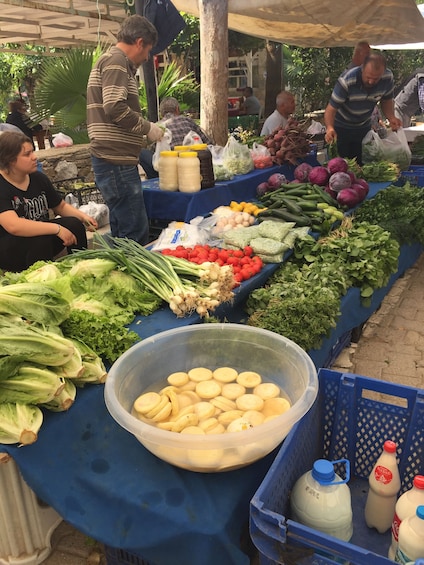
(220, 172)
(275, 229)
(261, 156)
(393, 148)
(236, 157)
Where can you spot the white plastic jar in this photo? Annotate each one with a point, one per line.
(188, 165)
(168, 172)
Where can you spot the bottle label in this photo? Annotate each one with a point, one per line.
(383, 475)
(395, 527)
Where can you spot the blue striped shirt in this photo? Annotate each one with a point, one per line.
(355, 103)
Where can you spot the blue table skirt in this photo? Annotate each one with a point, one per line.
(101, 480)
(181, 206)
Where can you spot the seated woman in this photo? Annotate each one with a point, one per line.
(27, 234)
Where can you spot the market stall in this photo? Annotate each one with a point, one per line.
(102, 481)
(183, 206)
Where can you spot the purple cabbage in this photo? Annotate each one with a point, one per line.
(348, 197)
(337, 165)
(301, 172)
(339, 181)
(319, 175)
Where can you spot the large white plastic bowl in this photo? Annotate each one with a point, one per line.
(242, 347)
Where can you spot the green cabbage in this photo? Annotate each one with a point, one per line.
(36, 302)
(31, 385)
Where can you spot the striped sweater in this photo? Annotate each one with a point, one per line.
(114, 122)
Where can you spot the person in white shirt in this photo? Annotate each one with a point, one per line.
(285, 107)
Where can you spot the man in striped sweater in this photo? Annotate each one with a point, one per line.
(116, 127)
(355, 94)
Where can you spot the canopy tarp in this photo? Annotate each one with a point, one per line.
(322, 23)
(390, 46)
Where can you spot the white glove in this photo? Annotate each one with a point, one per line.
(155, 132)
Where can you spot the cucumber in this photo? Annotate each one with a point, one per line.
(291, 206)
(299, 219)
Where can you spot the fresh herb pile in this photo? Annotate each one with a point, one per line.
(398, 210)
(302, 299)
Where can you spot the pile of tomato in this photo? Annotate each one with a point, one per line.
(244, 263)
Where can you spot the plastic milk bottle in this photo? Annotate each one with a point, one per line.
(411, 538)
(406, 506)
(384, 485)
(321, 500)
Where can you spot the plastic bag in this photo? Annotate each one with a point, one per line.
(62, 140)
(261, 156)
(163, 145)
(197, 232)
(100, 212)
(236, 157)
(220, 172)
(192, 138)
(393, 148)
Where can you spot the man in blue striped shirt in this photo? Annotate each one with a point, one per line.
(348, 114)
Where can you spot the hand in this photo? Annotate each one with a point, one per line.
(330, 135)
(90, 224)
(395, 123)
(155, 132)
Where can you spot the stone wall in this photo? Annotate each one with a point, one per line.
(66, 162)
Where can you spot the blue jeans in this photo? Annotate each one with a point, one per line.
(121, 189)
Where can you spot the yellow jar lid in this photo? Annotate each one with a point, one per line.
(199, 147)
(181, 147)
(188, 154)
(169, 154)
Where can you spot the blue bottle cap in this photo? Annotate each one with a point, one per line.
(420, 512)
(323, 471)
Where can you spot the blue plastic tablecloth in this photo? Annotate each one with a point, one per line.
(182, 206)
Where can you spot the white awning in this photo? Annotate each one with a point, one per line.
(323, 23)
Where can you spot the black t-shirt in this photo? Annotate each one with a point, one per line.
(33, 203)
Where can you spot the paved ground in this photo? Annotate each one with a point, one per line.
(391, 347)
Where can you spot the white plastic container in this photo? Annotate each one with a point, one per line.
(384, 485)
(189, 179)
(321, 500)
(411, 538)
(168, 172)
(406, 506)
(26, 524)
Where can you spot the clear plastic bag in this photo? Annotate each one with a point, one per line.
(62, 140)
(236, 157)
(393, 148)
(163, 145)
(192, 138)
(197, 232)
(261, 156)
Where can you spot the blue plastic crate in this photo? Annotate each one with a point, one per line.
(351, 418)
(115, 556)
(415, 175)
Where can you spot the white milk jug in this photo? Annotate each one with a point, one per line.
(411, 538)
(406, 506)
(321, 500)
(384, 485)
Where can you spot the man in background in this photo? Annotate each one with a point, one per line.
(348, 114)
(117, 129)
(410, 100)
(285, 107)
(179, 125)
(19, 118)
(250, 104)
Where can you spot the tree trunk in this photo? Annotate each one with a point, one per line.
(273, 81)
(213, 16)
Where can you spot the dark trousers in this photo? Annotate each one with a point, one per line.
(349, 142)
(18, 253)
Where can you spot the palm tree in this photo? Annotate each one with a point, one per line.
(60, 94)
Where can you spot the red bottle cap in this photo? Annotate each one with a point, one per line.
(418, 481)
(390, 446)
